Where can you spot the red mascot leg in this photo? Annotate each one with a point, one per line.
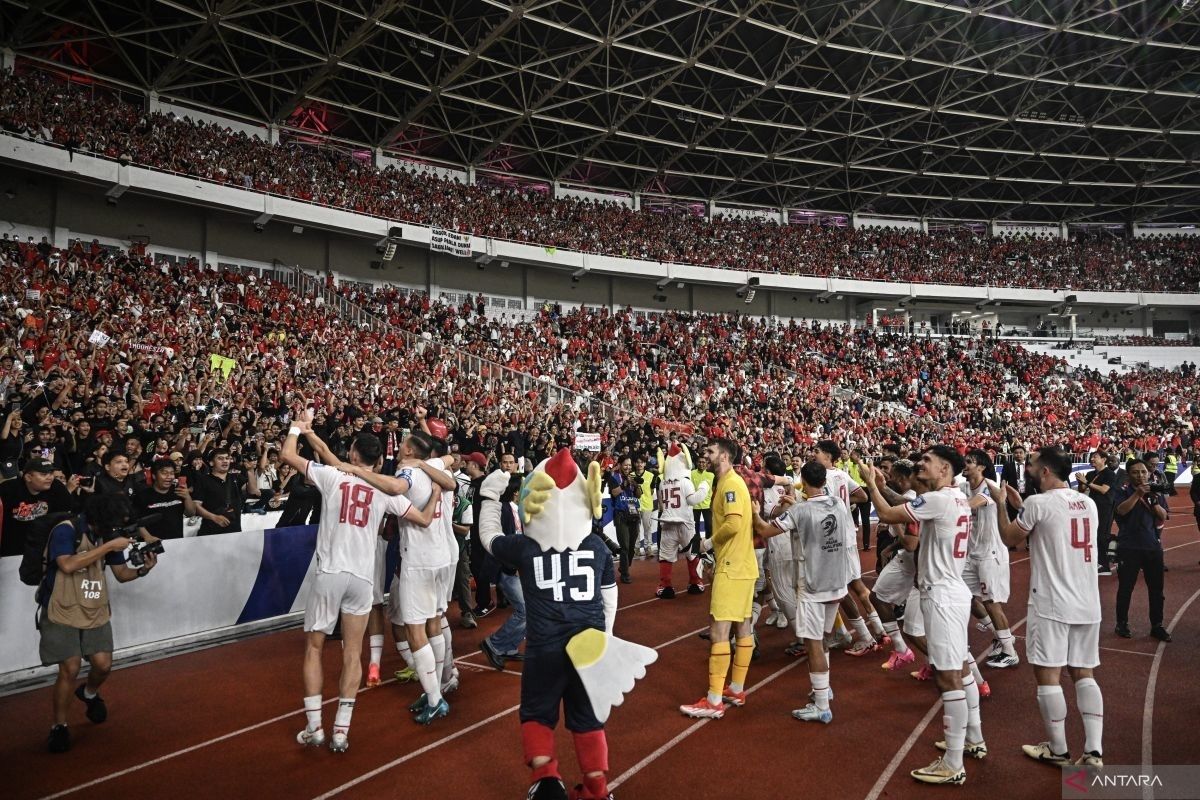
(664, 573)
(591, 749)
(538, 742)
(693, 565)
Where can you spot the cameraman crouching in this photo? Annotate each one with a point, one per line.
(74, 612)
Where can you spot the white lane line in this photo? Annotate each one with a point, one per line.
(438, 743)
(902, 753)
(194, 747)
(697, 725)
(1130, 652)
(1152, 685)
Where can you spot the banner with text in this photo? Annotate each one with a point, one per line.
(452, 242)
(587, 441)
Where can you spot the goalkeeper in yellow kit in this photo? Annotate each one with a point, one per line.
(735, 572)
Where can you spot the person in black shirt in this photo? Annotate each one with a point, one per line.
(115, 477)
(1098, 485)
(1140, 508)
(167, 499)
(26, 500)
(12, 445)
(221, 496)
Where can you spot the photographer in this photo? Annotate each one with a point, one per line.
(74, 609)
(1140, 509)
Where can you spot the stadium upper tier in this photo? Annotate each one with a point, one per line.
(778, 385)
(86, 119)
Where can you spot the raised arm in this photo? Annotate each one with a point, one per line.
(891, 514)
(1011, 533)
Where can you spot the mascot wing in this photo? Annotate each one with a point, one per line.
(608, 667)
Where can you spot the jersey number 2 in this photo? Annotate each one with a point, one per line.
(575, 569)
(356, 504)
(963, 532)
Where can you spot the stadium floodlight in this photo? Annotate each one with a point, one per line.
(579, 273)
(662, 283)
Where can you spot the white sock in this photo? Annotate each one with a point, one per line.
(377, 649)
(448, 637)
(426, 667)
(987, 622)
(312, 710)
(974, 723)
(406, 653)
(774, 606)
(88, 694)
(1091, 707)
(861, 634)
(820, 687)
(439, 655)
(755, 610)
(839, 628)
(1053, 706)
(1006, 641)
(892, 629)
(341, 721)
(975, 673)
(874, 623)
(954, 726)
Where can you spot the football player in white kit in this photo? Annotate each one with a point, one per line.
(1060, 525)
(351, 513)
(778, 555)
(945, 519)
(420, 594)
(987, 573)
(897, 578)
(817, 530)
(856, 605)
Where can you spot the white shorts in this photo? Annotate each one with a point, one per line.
(946, 633)
(674, 540)
(855, 562)
(814, 620)
(383, 578)
(1050, 643)
(760, 584)
(418, 594)
(447, 579)
(896, 581)
(333, 594)
(987, 579)
(914, 620)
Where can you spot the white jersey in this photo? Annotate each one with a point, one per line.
(1063, 585)
(423, 548)
(779, 547)
(676, 496)
(351, 512)
(945, 519)
(839, 484)
(984, 541)
(814, 528)
(443, 517)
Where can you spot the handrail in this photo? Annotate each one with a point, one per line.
(553, 393)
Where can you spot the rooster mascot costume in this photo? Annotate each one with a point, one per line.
(676, 496)
(572, 660)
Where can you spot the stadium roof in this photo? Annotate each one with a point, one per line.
(1076, 110)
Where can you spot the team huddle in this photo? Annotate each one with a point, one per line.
(787, 542)
(950, 553)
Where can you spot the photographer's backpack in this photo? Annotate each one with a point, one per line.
(34, 562)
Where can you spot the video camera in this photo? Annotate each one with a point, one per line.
(139, 549)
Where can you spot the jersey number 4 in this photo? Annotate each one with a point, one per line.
(1081, 537)
(669, 497)
(356, 504)
(575, 568)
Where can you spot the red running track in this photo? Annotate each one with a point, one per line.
(221, 722)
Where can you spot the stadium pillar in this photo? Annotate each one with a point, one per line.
(59, 234)
(470, 174)
(273, 134)
(8, 58)
(710, 209)
(378, 157)
(637, 201)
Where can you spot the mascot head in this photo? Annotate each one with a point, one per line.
(677, 464)
(557, 503)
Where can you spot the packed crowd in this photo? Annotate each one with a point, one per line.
(86, 119)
